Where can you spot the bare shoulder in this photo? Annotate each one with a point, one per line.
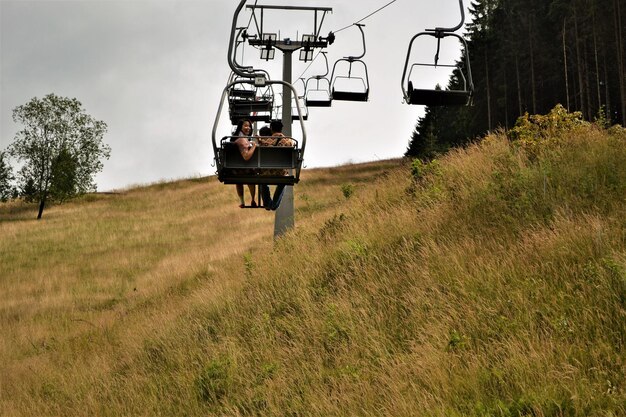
(242, 143)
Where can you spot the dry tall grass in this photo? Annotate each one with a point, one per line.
(490, 283)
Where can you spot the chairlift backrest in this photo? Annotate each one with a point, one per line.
(269, 164)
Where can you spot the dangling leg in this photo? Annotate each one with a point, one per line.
(266, 196)
(252, 189)
(278, 196)
(240, 195)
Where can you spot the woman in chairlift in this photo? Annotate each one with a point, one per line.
(246, 147)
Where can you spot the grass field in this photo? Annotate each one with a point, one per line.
(490, 282)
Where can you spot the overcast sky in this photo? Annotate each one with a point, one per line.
(154, 71)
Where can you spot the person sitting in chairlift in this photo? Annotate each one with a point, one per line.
(246, 148)
(278, 139)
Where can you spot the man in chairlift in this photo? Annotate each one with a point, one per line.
(277, 139)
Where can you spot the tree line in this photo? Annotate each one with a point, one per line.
(526, 56)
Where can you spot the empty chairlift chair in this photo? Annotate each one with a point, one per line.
(350, 87)
(302, 101)
(278, 109)
(257, 109)
(317, 89)
(463, 89)
(249, 102)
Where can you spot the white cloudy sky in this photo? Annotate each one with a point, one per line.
(154, 71)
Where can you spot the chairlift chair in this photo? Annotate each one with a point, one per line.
(241, 92)
(320, 95)
(294, 110)
(294, 117)
(439, 97)
(249, 101)
(267, 162)
(340, 92)
(278, 111)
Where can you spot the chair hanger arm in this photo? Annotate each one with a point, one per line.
(231, 46)
(455, 28)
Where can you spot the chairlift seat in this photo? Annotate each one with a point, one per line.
(350, 95)
(231, 177)
(427, 97)
(318, 103)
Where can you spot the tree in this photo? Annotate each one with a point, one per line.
(61, 149)
(6, 176)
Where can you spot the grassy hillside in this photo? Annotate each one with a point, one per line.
(491, 282)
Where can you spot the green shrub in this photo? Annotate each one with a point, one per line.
(347, 190)
(532, 133)
(420, 169)
(214, 381)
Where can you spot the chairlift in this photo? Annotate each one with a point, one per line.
(267, 162)
(278, 111)
(320, 95)
(439, 97)
(248, 101)
(278, 114)
(351, 88)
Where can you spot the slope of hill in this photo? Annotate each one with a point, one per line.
(489, 282)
